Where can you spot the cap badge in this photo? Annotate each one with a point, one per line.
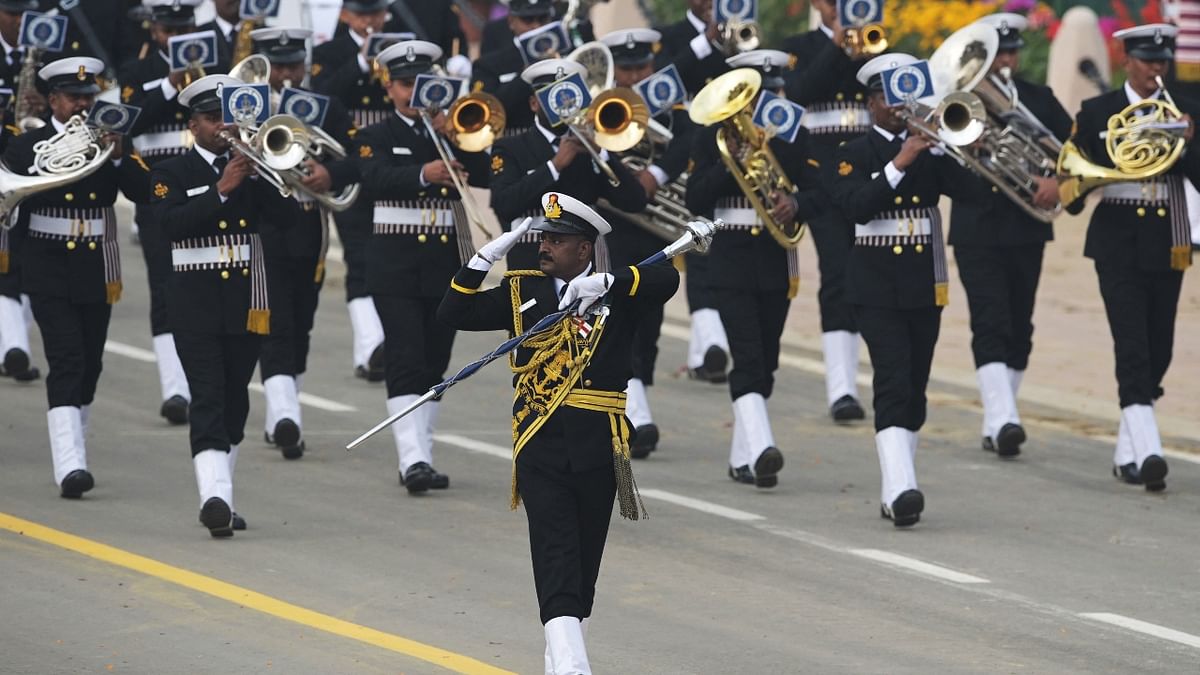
(283, 40)
(630, 43)
(553, 208)
(411, 55)
(1158, 37)
(82, 74)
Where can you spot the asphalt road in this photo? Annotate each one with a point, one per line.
(1042, 565)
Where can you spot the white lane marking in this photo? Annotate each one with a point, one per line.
(312, 400)
(129, 351)
(1185, 456)
(897, 560)
(700, 505)
(1144, 627)
(473, 445)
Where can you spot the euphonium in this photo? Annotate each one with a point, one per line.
(727, 100)
(1143, 141)
(286, 144)
(67, 157)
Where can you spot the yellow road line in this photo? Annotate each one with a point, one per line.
(245, 597)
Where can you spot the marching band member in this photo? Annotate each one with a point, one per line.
(998, 249)
(296, 253)
(226, 23)
(896, 276)
(160, 134)
(835, 112)
(633, 60)
(341, 70)
(71, 267)
(420, 238)
(1138, 238)
(690, 44)
(570, 436)
(547, 157)
(433, 21)
(753, 277)
(211, 210)
(499, 72)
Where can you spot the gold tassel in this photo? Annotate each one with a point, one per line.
(515, 500)
(628, 499)
(320, 273)
(3, 262)
(112, 291)
(1181, 257)
(941, 294)
(1187, 72)
(793, 287)
(258, 321)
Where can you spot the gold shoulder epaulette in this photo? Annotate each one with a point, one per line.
(524, 273)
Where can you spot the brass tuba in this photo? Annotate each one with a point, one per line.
(1143, 141)
(69, 156)
(727, 100)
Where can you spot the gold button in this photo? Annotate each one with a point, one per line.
(224, 274)
(840, 96)
(241, 222)
(421, 193)
(1141, 212)
(70, 245)
(858, 96)
(384, 99)
(445, 192)
(92, 196)
(587, 383)
(898, 200)
(444, 238)
(366, 100)
(919, 248)
(422, 238)
(754, 231)
(178, 115)
(916, 199)
(1162, 212)
(70, 196)
(222, 224)
(245, 271)
(897, 249)
(995, 189)
(75, 45)
(91, 246)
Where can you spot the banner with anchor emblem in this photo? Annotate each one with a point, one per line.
(305, 106)
(43, 31)
(113, 117)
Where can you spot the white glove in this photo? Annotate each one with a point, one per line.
(459, 66)
(587, 290)
(491, 252)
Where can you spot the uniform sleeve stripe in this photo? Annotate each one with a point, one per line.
(637, 279)
(463, 289)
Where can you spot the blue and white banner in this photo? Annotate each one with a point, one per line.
(113, 117)
(305, 106)
(662, 90)
(564, 99)
(43, 31)
(193, 49)
(548, 41)
(259, 9)
(907, 83)
(734, 11)
(859, 13)
(779, 117)
(381, 41)
(248, 104)
(435, 93)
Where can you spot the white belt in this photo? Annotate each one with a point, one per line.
(1138, 192)
(163, 140)
(824, 119)
(396, 215)
(895, 227)
(212, 255)
(67, 227)
(737, 216)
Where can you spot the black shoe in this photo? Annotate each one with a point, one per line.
(742, 474)
(1128, 473)
(906, 510)
(418, 478)
(713, 368)
(440, 480)
(287, 438)
(766, 468)
(987, 444)
(1009, 440)
(644, 442)
(216, 516)
(375, 365)
(238, 522)
(175, 410)
(16, 366)
(76, 483)
(846, 409)
(1153, 471)
(29, 375)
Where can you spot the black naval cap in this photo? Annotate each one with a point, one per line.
(1009, 27)
(18, 6)
(567, 215)
(281, 45)
(771, 63)
(409, 58)
(75, 75)
(530, 8)
(204, 95)
(173, 12)
(871, 74)
(632, 46)
(365, 6)
(1152, 42)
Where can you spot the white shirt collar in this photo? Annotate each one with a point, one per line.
(358, 39)
(225, 27)
(699, 25)
(410, 122)
(889, 135)
(1134, 97)
(58, 126)
(826, 30)
(8, 48)
(209, 157)
(551, 138)
(559, 283)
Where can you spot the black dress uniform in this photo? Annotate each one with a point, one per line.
(753, 278)
(1139, 240)
(896, 279)
(107, 35)
(420, 238)
(72, 272)
(522, 170)
(340, 73)
(498, 70)
(218, 299)
(295, 246)
(161, 133)
(434, 21)
(998, 249)
(570, 435)
(684, 43)
(227, 37)
(835, 112)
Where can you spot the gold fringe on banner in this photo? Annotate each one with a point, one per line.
(941, 294)
(258, 321)
(112, 291)
(1181, 257)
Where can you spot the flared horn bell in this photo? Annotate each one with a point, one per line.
(725, 96)
(476, 121)
(618, 118)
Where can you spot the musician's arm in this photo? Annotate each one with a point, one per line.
(811, 197)
(336, 81)
(859, 196)
(709, 179)
(513, 189)
(629, 196)
(675, 159)
(381, 176)
(465, 307)
(514, 94)
(478, 167)
(644, 284)
(340, 126)
(818, 79)
(133, 177)
(178, 212)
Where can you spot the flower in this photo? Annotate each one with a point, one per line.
(1019, 6)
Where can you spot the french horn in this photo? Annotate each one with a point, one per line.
(69, 156)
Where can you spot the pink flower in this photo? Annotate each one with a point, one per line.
(1019, 5)
(1109, 25)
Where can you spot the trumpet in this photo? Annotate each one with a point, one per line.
(615, 121)
(727, 100)
(475, 121)
(866, 40)
(736, 37)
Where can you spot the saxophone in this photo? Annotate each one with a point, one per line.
(25, 112)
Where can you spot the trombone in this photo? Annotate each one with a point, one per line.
(476, 120)
(866, 40)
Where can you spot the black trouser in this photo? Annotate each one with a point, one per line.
(294, 295)
(568, 515)
(696, 283)
(156, 250)
(833, 239)
(73, 337)
(219, 369)
(354, 229)
(1001, 284)
(416, 345)
(901, 343)
(753, 322)
(1141, 309)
